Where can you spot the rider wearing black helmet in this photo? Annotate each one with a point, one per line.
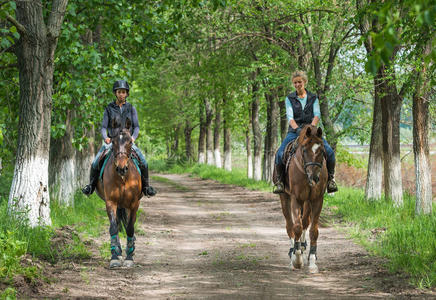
(121, 110)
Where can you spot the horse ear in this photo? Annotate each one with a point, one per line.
(308, 132)
(319, 132)
(128, 124)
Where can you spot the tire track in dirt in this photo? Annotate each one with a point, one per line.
(199, 239)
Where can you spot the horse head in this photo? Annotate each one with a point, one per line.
(122, 148)
(313, 152)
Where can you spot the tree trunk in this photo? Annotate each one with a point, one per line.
(373, 188)
(391, 108)
(84, 159)
(271, 135)
(209, 133)
(283, 120)
(188, 140)
(216, 136)
(227, 137)
(35, 52)
(202, 136)
(257, 135)
(421, 151)
(248, 146)
(62, 176)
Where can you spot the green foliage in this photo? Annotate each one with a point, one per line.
(8, 294)
(408, 241)
(12, 252)
(344, 156)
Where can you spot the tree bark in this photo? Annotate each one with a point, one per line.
(84, 158)
(271, 136)
(248, 146)
(209, 132)
(202, 136)
(420, 108)
(391, 108)
(216, 136)
(35, 52)
(62, 176)
(188, 140)
(373, 188)
(227, 137)
(283, 120)
(257, 135)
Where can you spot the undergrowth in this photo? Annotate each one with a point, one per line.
(61, 241)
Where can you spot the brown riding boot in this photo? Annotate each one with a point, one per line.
(331, 184)
(278, 175)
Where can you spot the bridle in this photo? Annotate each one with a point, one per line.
(311, 163)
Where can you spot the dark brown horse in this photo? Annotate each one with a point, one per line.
(121, 190)
(305, 185)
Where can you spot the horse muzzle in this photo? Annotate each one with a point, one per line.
(122, 171)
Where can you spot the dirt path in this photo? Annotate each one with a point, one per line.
(205, 240)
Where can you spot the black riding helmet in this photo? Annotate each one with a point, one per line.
(120, 84)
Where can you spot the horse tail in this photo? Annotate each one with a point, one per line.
(122, 218)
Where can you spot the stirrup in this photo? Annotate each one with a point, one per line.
(331, 186)
(279, 188)
(88, 189)
(149, 191)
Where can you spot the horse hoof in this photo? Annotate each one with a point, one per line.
(313, 268)
(128, 263)
(115, 263)
(297, 261)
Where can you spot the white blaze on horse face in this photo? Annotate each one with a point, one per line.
(315, 147)
(121, 137)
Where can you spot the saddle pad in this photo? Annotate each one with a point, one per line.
(136, 162)
(289, 151)
(104, 164)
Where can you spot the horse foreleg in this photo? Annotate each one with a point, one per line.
(111, 209)
(297, 228)
(286, 209)
(130, 231)
(313, 233)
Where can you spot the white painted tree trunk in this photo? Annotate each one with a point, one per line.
(201, 158)
(228, 160)
(65, 184)
(209, 157)
(374, 178)
(395, 182)
(249, 166)
(29, 191)
(218, 162)
(423, 184)
(257, 168)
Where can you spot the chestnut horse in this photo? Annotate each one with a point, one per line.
(305, 185)
(121, 190)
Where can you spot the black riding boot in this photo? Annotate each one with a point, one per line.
(146, 188)
(331, 184)
(278, 180)
(93, 179)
